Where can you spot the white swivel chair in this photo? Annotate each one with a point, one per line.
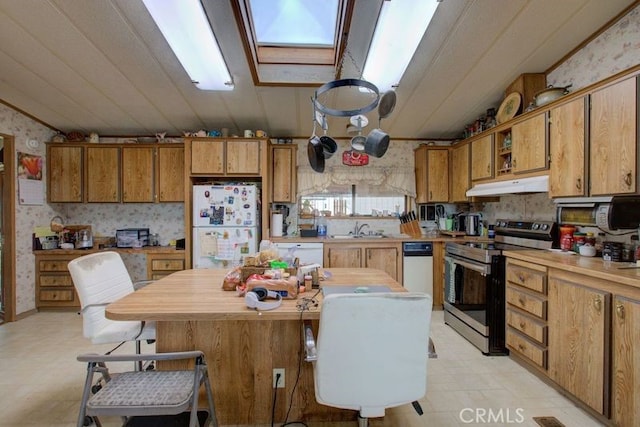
(100, 279)
(372, 351)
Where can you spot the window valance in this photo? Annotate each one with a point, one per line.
(386, 180)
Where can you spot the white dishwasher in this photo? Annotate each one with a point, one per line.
(417, 267)
(307, 253)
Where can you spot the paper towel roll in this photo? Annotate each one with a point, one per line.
(276, 225)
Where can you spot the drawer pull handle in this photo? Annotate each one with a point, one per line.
(488, 168)
(513, 163)
(627, 179)
(579, 183)
(521, 278)
(521, 300)
(522, 325)
(522, 347)
(597, 303)
(620, 311)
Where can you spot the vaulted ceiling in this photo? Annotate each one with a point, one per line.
(103, 66)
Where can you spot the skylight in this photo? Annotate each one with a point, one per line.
(291, 23)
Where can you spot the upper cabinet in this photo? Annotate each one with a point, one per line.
(482, 158)
(225, 157)
(138, 174)
(170, 173)
(459, 173)
(529, 151)
(102, 165)
(283, 172)
(432, 174)
(567, 147)
(113, 173)
(64, 173)
(613, 139)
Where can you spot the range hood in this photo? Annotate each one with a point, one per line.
(535, 184)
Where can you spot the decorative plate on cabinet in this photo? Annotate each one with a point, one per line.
(509, 107)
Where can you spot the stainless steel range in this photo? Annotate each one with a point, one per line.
(475, 281)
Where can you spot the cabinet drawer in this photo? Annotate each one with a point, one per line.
(528, 278)
(527, 302)
(52, 280)
(167, 264)
(53, 265)
(158, 276)
(526, 348)
(57, 295)
(534, 329)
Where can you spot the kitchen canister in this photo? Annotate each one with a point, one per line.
(276, 225)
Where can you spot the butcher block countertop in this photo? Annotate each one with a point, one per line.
(190, 295)
(617, 272)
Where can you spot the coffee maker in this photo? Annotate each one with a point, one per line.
(284, 210)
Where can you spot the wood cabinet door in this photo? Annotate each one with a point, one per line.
(283, 163)
(207, 157)
(625, 388)
(385, 259)
(529, 145)
(420, 158)
(578, 320)
(342, 256)
(459, 174)
(482, 158)
(243, 157)
(613, 139)
(438, 175)
(567, 148)
(171, 174)
(64, 174)
(102, 174)
(138, 174)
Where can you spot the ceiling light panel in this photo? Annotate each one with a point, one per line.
(401, 25)
(187, 30)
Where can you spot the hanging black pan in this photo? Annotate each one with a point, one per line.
(315, 153)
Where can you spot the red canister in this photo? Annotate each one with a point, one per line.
(566, 237)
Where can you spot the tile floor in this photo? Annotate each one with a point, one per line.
(41, 381)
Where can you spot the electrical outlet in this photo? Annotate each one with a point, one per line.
(279, 371)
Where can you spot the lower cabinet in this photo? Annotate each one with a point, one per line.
(579, 322)
(625, 388)
(160, 265)
(580, 331)
(54, 287)
(526, 311)
(383, 256)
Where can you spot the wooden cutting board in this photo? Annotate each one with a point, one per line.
(453, 233)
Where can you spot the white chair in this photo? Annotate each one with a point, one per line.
(100, 279)
(372, 351)
(157, 398)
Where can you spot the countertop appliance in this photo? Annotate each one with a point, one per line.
(474, 300)
(225, 224)
(84, 239)
(417, 266)
(472, 224)
(606, 213)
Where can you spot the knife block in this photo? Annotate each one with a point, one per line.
(412, 228)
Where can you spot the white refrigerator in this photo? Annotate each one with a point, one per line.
(225, 224)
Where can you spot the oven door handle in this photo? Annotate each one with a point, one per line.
(480, 268)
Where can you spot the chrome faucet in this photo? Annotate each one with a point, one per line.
(357, 230)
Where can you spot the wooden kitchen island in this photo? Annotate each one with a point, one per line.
(242, 346)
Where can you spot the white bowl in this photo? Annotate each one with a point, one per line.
(587, 250)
